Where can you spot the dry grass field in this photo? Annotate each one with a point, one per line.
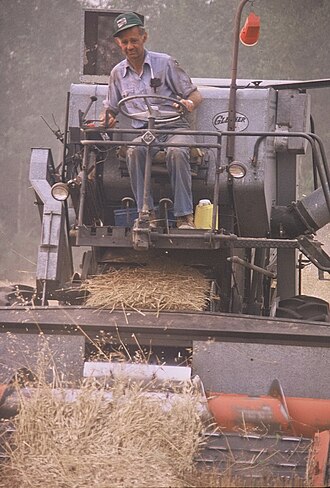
(311, 285)
(132, 440)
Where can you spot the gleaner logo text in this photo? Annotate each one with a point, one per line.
(220, 121)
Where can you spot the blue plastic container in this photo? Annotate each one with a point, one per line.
(124, 217)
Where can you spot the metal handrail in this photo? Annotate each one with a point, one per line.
(313, 139)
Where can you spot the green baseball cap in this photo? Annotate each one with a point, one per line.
(126, 21)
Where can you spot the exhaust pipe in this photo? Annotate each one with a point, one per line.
(304, 216)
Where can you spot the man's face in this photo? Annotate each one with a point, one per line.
(131, 42)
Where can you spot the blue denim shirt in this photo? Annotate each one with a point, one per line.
(124, 82)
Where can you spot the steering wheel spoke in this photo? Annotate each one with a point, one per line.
(140, 115)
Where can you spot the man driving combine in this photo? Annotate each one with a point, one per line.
(146, 73)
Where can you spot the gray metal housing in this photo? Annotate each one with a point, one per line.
(54, 265)
(258, 109)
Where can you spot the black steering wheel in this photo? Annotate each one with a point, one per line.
(153, 111)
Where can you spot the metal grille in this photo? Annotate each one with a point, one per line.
(255, 456)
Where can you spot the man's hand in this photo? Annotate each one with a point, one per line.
(189, 104)
(192, 102)
(107, 119)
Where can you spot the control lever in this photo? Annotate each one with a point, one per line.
(82, 115)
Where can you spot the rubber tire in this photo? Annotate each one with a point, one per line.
(17, 296)
(304, 307)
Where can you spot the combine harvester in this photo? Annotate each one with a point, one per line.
(260, 348)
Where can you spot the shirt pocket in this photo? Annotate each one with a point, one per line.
(136, 105)
(129, 89)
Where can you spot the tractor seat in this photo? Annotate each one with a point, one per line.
(159, 162)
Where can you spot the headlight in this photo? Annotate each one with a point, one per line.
(237, 170)
(60, 191)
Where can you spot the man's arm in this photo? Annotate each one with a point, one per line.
(180, 83)
(108, 115)
(192, 101)
(107, 118)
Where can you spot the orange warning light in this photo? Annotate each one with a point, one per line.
(249, 34)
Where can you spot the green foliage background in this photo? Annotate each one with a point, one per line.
(40, 57)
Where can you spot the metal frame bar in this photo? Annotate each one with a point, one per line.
(180, 329)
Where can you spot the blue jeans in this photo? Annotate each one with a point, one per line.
(177, 163)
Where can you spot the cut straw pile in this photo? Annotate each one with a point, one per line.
(130, 441)
(156, 286)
